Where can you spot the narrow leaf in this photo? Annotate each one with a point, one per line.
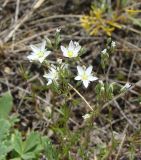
(6, 103)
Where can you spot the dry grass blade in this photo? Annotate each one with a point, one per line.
(81, 97)
(23, 19)
(122, 142)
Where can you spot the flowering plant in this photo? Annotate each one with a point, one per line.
(61, 72)
(39, 53)
(104, 19)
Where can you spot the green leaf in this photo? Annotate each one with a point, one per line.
(4, 129)
(16, 158)
(17, 143)
(6, 103)
(28, 156)
(4, 140)
(3, 151)
(32, 140)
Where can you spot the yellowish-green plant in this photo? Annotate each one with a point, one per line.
(102, 19)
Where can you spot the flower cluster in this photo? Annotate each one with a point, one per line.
(40, 53)
(57, 71)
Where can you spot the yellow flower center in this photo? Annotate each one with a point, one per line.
(40, 54)
(70, 53)
(84, 76)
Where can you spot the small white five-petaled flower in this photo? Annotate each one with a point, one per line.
(72, 50)
(58, 30)
(86, 116)
(126, 86)
(104, 51)
(113, 44)
(39, 53)
(85, 75)
(52, 76)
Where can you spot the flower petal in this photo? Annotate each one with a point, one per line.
(43, 45)
(104, 51)
(89, 70)
(41, 59)
(71, 46)
(127, 85)
(77, 49)
(80, 70)
(64, 50)
(47, 76)
(52, 76)
(76, 43)
(93, 78)
(49, 82)
(47, 53)
(32, 57)
(34, 48)
(86, 83)
(77, 78)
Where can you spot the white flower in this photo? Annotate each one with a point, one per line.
(85, 75)
(52, 76)
(59, 60)
(86, 116)
(58, 30)
(39, 53)
(113, 44)
(104, 51)
(72, 50)
(126, 86)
